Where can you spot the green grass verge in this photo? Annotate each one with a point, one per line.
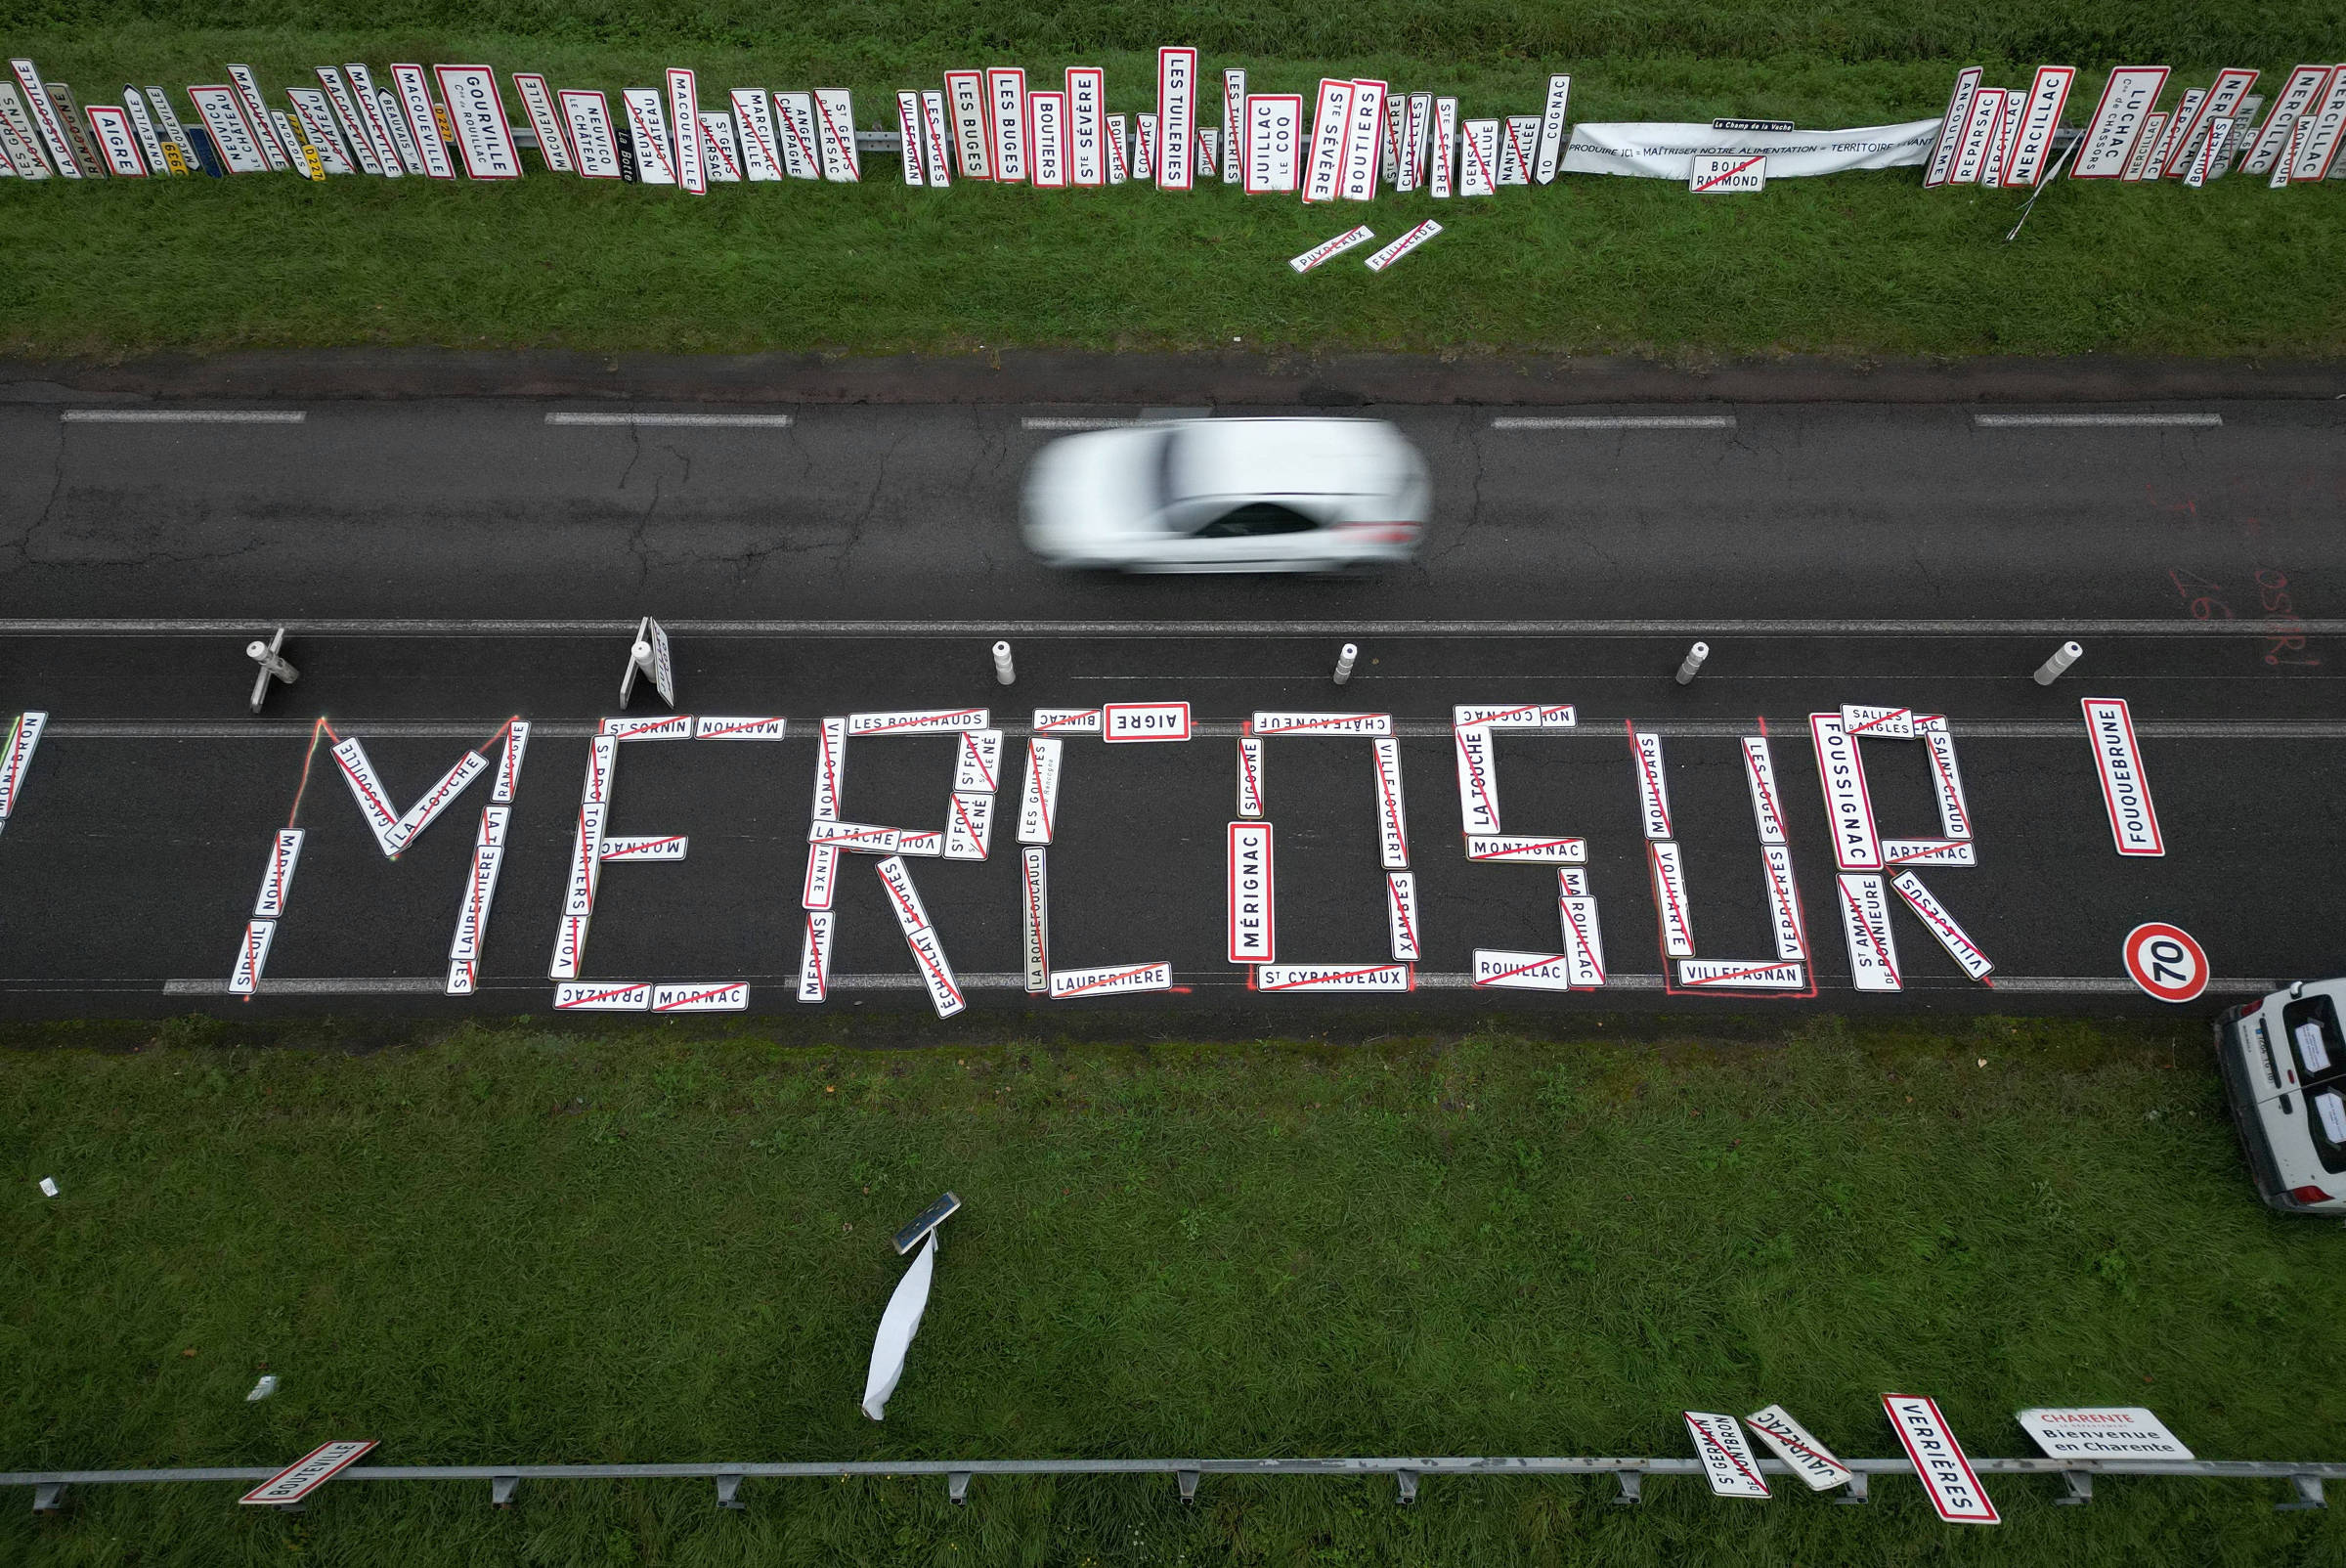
(1855, 265)
(531, 1247)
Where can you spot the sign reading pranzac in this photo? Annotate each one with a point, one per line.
(482, 134)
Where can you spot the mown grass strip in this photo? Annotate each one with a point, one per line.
(1858, 264)
(531, 1247)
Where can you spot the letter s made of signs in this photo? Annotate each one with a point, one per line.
(1580, 963)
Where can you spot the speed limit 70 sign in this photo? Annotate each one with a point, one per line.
(2165, 960)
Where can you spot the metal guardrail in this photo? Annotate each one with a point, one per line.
(505, 1480)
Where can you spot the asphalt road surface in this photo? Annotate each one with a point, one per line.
(447, 567)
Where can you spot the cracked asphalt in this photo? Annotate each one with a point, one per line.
(148, 812)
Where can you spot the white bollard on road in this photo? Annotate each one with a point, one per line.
(1004, 674)
(2064, 656)
(1344, 663)
(1693, 661)
(270, 656)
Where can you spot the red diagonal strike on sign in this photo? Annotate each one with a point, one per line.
(1728, 175)
(919, 922)
(1521, 849)
(807, 152)
(1670, 893)
(1784, 901)
(1401, 910)
(1254, 785)
(1767, 797)
(1859, 729)
(1329, 722)
(1942, 923)
(1524, 969)
(1034, 918)
(710, 144)
(1516, 142)
(252, 953)
(1588, 948)
(1384, 787)
(1728, 1454)
(847, 147)
(598, 996)
(1739, 974)
(831, 763)
(643, 131)
(1034, 782)
(588, 851)
(1490, 719)
(978, 756)
(1076, 718)
(1323, 979)
(773, 155)
(371, 798)
(1106, 979)
(814, 949)
(733, 729)
(923, 720)
(1866, 925)
(968, 826)
(646, 847)
(1476, 153)
(674, 1003)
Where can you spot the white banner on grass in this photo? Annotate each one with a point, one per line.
(1659, 151)
(897, 1326)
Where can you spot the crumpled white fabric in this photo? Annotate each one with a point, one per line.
(897, 1325)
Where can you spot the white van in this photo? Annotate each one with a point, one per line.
(2284, 1061)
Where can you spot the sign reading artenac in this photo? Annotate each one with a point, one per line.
(1664, 151)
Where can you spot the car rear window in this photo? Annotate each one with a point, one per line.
(2309, 1025)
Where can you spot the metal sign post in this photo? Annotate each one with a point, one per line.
(649, 655)
(268, 655)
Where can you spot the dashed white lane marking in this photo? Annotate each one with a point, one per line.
(182, 416)
(2164, 627)
(2096, 421)
(681, 421)
(1074, 422)
(1624, 421)
(1015, 980)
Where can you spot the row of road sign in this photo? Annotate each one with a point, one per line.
(1350, 139)
(1993, 135)
(2098, 1433)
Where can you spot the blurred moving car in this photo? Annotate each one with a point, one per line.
(1303, 495)
(2283, 1063)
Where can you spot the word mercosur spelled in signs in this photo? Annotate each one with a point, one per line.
(1878, 882)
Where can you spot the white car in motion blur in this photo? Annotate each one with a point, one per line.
(1302, 495)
